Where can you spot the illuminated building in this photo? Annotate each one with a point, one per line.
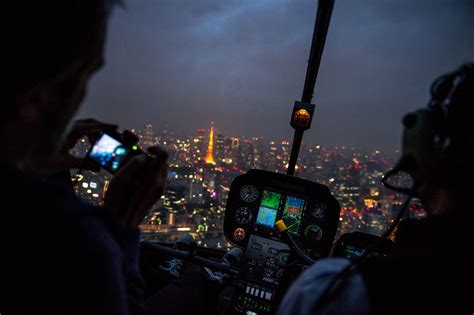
(147, 136)
(197, 189)
(174, 201)
(220, 147)
(209, 156)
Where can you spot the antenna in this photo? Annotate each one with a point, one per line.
(303, 111)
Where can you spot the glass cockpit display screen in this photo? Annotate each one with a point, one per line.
(292, 213)
(108, 152)
(353, 252)
(268, 210)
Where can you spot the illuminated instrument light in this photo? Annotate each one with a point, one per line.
(106, 186)
(134, 148)
(302, 118)
(239, 234)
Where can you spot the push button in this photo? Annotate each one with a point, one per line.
(256, 246)
(272, 251)
(268, 296)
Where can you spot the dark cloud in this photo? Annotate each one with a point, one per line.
(181, 64)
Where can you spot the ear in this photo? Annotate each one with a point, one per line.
(39, 100)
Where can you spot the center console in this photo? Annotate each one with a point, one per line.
(256, 201)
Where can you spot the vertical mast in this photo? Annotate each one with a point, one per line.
(321, 25)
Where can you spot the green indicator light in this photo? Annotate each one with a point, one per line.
(135, 147)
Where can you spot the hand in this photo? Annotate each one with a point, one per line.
(63, 160)
(137, 186)
(86, 127)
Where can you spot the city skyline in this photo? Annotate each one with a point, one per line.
(195, 197)
(181, 64)
(392, 153)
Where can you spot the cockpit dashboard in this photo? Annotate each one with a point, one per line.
(257, 200)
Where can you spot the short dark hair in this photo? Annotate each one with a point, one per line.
(49, 36)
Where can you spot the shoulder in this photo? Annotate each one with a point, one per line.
(52, 214)
(305, 292)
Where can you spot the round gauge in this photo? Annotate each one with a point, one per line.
(249, 193)
(313, 232)
(243, 215)
(239, 234)
(282, 258)
(319, 210)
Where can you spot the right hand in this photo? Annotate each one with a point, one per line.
(137, 186)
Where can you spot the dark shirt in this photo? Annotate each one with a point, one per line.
(430, 271)
(62, 255)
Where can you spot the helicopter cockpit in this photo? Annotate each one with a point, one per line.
(278, 225)
(248, 226)
(265, 260)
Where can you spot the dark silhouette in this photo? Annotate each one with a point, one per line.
(430, 267)
(61, 255)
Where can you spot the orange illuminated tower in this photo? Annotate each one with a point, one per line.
(209, 157)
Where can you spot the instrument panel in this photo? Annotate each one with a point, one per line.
(256, 201)
(356, 244)
(259, 198)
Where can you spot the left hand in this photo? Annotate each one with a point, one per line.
(63, 160)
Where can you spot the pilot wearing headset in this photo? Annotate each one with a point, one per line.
(431, 269)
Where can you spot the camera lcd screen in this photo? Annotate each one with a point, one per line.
(108, 152)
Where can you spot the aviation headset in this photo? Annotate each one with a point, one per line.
(435, 139)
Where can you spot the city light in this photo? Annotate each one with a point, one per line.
(203, 165)
(183, 229)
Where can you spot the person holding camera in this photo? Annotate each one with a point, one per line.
(429, 270)
(60, 255)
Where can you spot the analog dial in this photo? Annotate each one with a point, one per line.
(313, 232)
(249, 193)
(243, 215)
(282, 258)
(319, 210)
(239, 234)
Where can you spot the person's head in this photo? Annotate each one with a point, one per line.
(439, 141)
(56, 46)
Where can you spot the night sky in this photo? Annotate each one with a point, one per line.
(181, 64)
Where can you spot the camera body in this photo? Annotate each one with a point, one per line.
(112, 150)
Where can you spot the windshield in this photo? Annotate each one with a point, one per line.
(214, 83)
